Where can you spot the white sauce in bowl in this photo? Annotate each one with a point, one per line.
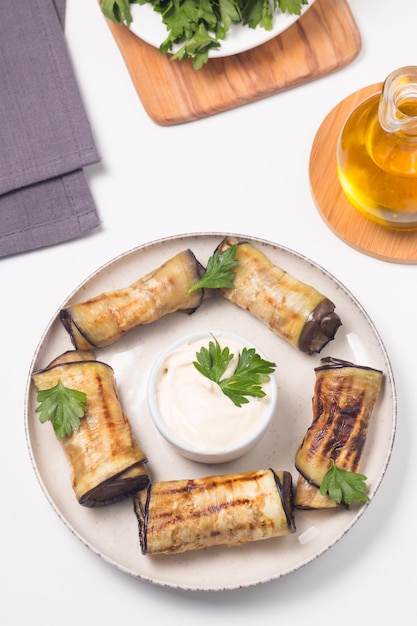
(194, 414)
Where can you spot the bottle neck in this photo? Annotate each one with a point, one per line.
(398, 104)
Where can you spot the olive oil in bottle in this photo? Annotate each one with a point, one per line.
(377, 153)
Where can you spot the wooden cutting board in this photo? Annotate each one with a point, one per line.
(323, 40)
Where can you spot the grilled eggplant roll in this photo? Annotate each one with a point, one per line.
(104, 319)
(344, 398)
(179, 515)
(107, 463)
(290, 308)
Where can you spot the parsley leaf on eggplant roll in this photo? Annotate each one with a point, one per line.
(295, 311)
(344, 398)
(225, 510)
(106, 461)
(104, 319)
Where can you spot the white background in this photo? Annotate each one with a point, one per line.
(241, 171)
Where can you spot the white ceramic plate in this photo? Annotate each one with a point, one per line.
(112, 531)
(148, 25)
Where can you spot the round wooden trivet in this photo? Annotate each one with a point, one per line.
(338, 213)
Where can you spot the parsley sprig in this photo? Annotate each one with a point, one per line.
(343, 486)
(199, 26)
(218, 272)
(62, 406)
(247, 379)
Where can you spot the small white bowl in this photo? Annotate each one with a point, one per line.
(192, 413)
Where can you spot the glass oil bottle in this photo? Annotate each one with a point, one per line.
(377, 153)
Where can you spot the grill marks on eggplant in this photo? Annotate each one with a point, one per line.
(180, 515)
(344, 398)
(343, 437)
(189, 491)
(295, 311)
(106, 462)
(104, 319)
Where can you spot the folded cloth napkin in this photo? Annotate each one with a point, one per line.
(45, 136)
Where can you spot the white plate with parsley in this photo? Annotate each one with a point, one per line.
(225, 29)
(112, 531)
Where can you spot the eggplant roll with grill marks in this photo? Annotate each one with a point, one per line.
(344, 399)
(104, 319)
(179, 515)
(106, 461)
(292, 309)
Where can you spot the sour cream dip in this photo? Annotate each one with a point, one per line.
(193, 414)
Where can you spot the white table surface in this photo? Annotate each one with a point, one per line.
(242, 171)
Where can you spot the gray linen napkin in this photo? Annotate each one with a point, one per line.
(45, 136)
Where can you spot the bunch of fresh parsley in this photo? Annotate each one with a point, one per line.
(199, 26)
